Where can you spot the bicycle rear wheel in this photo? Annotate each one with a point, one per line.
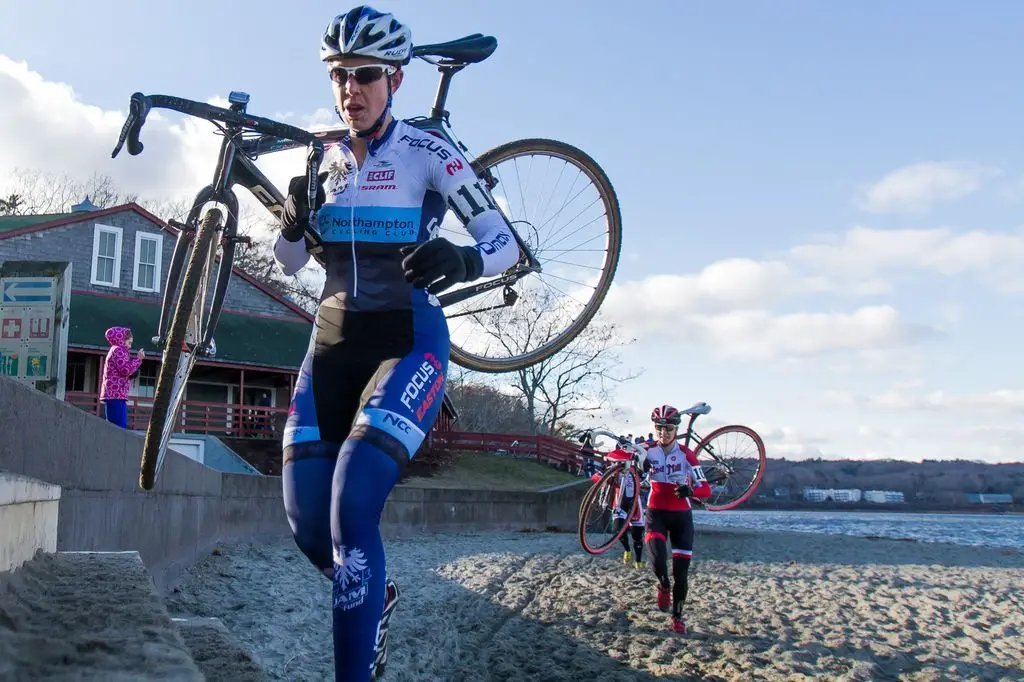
(576, 241)
(733, 477)
(597, 512)
(175, 369)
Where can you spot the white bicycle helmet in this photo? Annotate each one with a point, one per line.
(365, 32)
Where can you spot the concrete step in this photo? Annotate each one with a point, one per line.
(217, 653)
(88, 616)
(28, 519)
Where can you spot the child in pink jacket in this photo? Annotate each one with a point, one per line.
(117, 372)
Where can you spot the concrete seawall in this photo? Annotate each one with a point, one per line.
(193, 507)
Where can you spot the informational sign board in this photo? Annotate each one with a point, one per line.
(35, 307)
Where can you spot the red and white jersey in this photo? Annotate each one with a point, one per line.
(669, 469)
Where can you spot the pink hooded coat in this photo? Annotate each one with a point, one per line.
(119, 365)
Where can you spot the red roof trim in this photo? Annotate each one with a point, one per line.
(132, 206)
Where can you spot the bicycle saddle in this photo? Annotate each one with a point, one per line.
(467, 50)
(697, 408)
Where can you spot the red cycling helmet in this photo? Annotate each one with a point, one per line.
(666, 414)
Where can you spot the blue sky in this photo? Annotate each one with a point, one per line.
(833, 190)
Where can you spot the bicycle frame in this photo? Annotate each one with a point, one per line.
(693, 435)
(690, 433)
(236, 166)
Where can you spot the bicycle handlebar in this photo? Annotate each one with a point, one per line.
(622, 442)
(140, 105)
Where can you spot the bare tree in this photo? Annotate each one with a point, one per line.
(579, 379)
(576, 381)
(40, 193)
(483, 408)
(168, 209)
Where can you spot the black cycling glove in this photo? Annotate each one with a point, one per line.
(295, 218)
(438, 264)
(683, 491)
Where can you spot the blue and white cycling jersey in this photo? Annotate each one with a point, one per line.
(399, 197)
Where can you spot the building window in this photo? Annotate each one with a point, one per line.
(146, 381)
(148, 257)
(106, 256)
(74, 378)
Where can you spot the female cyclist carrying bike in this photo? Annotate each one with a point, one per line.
(675, 477)
(373, 379)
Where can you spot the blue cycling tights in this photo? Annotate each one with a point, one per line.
(359, 413)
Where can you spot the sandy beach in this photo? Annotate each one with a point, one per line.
(763, 606)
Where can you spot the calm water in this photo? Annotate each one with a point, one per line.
(961, 529)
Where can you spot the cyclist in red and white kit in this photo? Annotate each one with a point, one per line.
(676, 476)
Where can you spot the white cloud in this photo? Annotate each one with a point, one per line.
(55, 132)
(762, 335)
(906, 396)
(863, 252)
(758, 335)
(915, 188)
(791, 443)
(730, 304)
(883, 433)
(729, 284)
(884, 361)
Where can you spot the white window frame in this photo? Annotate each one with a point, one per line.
(159, 239)
(119, 235)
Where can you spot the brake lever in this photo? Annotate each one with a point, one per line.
(138, 110)
(314, 157)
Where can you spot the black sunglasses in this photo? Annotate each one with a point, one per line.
(364, 75)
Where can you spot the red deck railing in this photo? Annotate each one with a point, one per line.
(221, 419)
(254, 421)
(541, 448)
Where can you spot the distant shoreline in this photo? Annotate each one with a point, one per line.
(993, 509)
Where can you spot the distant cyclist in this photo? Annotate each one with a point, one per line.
(676, 476)
(374, 376)
(631, 555)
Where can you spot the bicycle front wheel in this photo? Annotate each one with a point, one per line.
(733, 460)
(563, 208)
(598, 531)
(174, 370)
